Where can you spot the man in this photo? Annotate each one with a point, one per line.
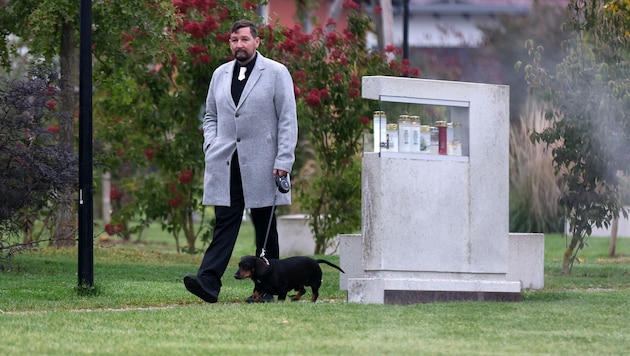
(250, 134)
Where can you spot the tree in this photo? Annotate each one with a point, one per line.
(49, 27)
(589, 100)
(33, 167)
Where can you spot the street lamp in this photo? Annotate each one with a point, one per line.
(86, 208)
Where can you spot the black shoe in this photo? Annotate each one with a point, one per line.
(264, 298)
(197, 287)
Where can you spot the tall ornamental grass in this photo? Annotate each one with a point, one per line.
(534, 192)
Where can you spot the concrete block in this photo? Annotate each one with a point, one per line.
(526, 262)
(350, 258)
(295, 237)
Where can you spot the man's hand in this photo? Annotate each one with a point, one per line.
(279, 172)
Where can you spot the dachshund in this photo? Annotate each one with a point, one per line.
(278, 277)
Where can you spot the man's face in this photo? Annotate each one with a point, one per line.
(243, 45)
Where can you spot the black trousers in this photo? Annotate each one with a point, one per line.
(227, 227)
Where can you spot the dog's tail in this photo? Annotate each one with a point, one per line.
(330, 264)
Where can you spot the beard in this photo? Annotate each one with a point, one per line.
(242, 55)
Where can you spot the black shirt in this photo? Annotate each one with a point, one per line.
(239, 85)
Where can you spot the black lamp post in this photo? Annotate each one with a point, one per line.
(86, 208)
(406, 30)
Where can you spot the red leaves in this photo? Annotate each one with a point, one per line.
(53, 129)
(150, 152)
(197, 49)
(299, 77)
(112, 229)
(185, 177)
(200, 5)
(175, 202)
(178, 192)
(288, 45)
(114, 193)
(194, 29)
(332, 39)
(203, 59)
(210, 24)
(251, 5)
(352, 5)
(313, 98)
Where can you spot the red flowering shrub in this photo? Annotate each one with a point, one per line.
(158, 90)
(153, 81)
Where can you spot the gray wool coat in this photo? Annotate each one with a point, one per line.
(263, 127)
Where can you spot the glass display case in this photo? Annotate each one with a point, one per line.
(419, 128)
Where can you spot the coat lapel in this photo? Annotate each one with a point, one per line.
(227, 84)
(253, 78)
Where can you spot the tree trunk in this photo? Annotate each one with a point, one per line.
(106, 201)
(614, 230)
(569, 255)
(66, 217)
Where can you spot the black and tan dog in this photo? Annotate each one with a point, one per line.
(281, 276)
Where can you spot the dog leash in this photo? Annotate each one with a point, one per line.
(283, 185)
(263, 250)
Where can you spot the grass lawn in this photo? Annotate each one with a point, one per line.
(140, 307)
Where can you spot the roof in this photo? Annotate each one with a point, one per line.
(467, 7)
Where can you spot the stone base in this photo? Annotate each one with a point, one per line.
(405, 297)
(415, 291)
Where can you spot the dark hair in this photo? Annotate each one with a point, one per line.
(245, 23)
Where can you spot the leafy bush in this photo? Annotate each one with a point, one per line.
(155, 87)
(33, 165)
(587, 101)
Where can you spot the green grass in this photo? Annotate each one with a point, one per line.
(141, 307)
